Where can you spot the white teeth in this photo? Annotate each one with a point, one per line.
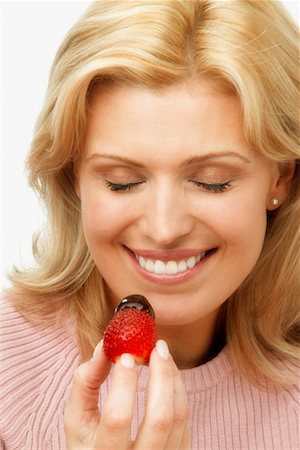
(170, 267)
(191, 262)
(142, 261)
(149, 265)
(159, 267)
(182, 266)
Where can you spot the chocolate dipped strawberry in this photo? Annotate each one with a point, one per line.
(131, 330)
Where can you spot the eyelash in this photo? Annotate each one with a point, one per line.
(212, 187)
(122, 187)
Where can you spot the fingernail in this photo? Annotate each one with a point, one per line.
(127, 360)
(97, 349)
(162, 349)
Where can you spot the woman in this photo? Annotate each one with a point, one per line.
(166, 154)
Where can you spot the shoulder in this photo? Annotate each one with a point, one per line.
(23, 341)
(269, 397)
(273, 409)
(291, 394)
(37, 363)
(243, 413)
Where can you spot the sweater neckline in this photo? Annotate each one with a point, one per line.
(201, 377)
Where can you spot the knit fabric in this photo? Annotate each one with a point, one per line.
(226, 411)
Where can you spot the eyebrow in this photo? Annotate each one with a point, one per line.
(215, 155)
(114, 157)
(193, 160)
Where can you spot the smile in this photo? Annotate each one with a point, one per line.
(171, 267)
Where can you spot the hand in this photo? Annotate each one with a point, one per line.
(165, 425)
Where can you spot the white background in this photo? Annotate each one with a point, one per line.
(31, 34)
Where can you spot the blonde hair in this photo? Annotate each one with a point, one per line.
(249, 46)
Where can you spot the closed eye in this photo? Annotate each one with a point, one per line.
(122, 187)
(213, 187)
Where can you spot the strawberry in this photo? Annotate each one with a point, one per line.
(131, 330)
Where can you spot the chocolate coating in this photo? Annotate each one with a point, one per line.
(136, 301)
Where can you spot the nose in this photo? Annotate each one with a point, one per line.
(166, 217)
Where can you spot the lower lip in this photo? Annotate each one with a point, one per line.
(170, 279)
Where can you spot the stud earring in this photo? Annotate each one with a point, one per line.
(274, 201)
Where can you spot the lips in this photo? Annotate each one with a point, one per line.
(169, 267)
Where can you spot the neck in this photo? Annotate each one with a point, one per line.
(196, 343)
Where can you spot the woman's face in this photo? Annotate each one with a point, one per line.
(173, 198)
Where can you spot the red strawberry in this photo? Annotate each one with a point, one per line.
(131, 330)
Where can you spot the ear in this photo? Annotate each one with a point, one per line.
(281, 184)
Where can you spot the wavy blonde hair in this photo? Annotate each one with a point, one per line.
(249, 46)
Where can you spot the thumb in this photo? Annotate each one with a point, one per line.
(87, 378)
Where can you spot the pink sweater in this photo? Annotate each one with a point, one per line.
(226, 411)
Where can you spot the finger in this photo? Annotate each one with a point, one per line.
(186, 438)
(157, 424)
(179, 435)
(82, 405)
(117, 412)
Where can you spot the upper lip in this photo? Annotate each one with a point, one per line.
(168, 255)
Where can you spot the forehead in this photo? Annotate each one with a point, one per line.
(193, 115)
(187, 92)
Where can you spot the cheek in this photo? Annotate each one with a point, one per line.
(237, 219)
(242, 226)
(102, 218)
